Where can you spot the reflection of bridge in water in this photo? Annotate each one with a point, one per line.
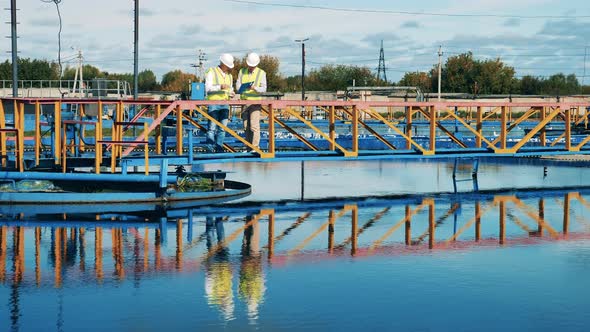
(237, 244)
(423, 224)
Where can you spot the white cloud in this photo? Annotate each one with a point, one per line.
(172, 31)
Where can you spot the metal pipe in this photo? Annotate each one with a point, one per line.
(14, 49)
(84, 177)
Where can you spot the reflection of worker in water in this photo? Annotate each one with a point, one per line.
(218, 275)
(251, 288)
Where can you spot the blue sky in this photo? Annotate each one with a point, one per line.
(172, 31)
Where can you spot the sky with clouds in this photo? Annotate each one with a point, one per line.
(538, 37)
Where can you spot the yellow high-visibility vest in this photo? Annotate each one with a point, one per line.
(253, 77)
(219, 79)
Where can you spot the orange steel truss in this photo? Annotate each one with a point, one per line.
(371, 117)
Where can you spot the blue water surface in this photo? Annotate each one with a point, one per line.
(394, 248)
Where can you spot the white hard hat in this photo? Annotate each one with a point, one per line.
(252, 60)
(227, 59)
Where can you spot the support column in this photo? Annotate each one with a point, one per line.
(271, 130)
(37, 132)
(542, 133)
(503, 129)
(158, 131)
(409, 114)
(3, 151)
(179, 133)
(21, 137)
(332, 127)
(433, 120)
(355, 130)
(568, 129)
(57, 132)
(479, 126)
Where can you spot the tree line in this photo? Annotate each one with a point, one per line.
(460, 74)
(464, 74)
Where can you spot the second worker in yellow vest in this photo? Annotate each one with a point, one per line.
(253, 80)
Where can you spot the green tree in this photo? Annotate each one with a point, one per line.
(124, 77)
(421, 80)
(457, 74)
(339, 77)
(464, 74)
(560, 85)
(492, 77)
(88, 71)
(146, 81)
(5, 70)
(177, 81)
(530, 85)
(30, 70)
(293, 83)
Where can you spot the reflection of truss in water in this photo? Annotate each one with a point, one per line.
(86, 244)
(113, 248)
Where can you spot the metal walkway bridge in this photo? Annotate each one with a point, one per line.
(141, 133)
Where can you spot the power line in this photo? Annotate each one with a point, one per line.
(57, 3)
(386, 11)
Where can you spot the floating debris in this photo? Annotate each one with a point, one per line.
(193, 182)
(30, 186)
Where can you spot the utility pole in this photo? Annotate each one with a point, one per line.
(302, 41)
(79, 71)
(14, 49)
(200, 66)
(381, 67)
(136, 51)
(440, 54)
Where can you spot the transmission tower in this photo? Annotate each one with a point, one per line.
(381, 67)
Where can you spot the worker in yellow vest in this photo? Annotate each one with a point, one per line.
(219, 86)
(251, 83)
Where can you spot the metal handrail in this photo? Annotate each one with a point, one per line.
(59, 88)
